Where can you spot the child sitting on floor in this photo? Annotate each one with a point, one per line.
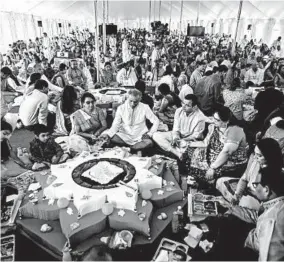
(44, 150)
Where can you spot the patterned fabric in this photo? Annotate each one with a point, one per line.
(200, 159)
(235, 101)
(5, 86)
(89, 122)
(76, 77)
(44, 151)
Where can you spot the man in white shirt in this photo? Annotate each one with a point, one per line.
(254, 75)
(34, 108)
(125, 50)
(129, 125)
(189, 124)
(51, 87)
(156, 54)
(127, 76)
(244, 42)
(46, 44)
(112, 44)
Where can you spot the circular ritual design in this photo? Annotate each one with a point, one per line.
(127, 175)
(113, 91)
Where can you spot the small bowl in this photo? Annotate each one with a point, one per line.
(181, 248)
(198, 196)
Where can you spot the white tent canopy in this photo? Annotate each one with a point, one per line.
(19, 17)
(131, 10)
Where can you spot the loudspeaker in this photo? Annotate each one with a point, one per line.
(39, 23)
(195, 31)
(59, 25)
(110, 29)
(249, 27)
(212, 25)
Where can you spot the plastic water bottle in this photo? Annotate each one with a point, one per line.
(180, 215)
(20, 152)
(175, 222)
(184, 186)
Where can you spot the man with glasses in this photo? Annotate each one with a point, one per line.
(129, 125)
(268, 237)
(189, 124)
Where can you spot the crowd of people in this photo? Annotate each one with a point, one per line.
(215, 106)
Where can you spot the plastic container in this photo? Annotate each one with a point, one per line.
(184, 186)
(175, 222)
(180, 218)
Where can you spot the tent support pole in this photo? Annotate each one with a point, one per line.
(170, 15)
(104, 27)
(198, 11)
(180, 22)
(154, 11)
(160, 10)
(237, 27)
(150, 7)
(97, 40)
(107, 11)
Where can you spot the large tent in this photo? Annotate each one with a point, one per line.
(19, 17)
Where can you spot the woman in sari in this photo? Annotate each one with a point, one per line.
(65, 108)
(225, 151)
(11, 164)
(279, 78)
(267, 152)
(108, 76)
(10, 86)
(87, 124)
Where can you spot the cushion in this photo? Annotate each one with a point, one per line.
(90, 224)
(130, 220)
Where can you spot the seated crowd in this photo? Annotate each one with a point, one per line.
(220, 116)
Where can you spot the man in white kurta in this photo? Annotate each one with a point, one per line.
(46, 44)
(112, 44)
(189, 125)
(129, 126)
(126, 76)
(125, 50)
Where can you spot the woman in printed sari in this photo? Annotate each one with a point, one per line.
(10, 86)
(11, 164)
(87, 124)
(224, 151)
(65, 108)
(267, 152)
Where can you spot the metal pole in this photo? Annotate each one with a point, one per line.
(198, 11)
(104, 27)
(107, 11)
(97, 39)
(150, 5)
(170, 15)
(181, 10)
(160, 10)
(237, 27)
(154, 11)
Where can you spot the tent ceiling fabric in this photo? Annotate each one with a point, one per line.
(133, 10)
